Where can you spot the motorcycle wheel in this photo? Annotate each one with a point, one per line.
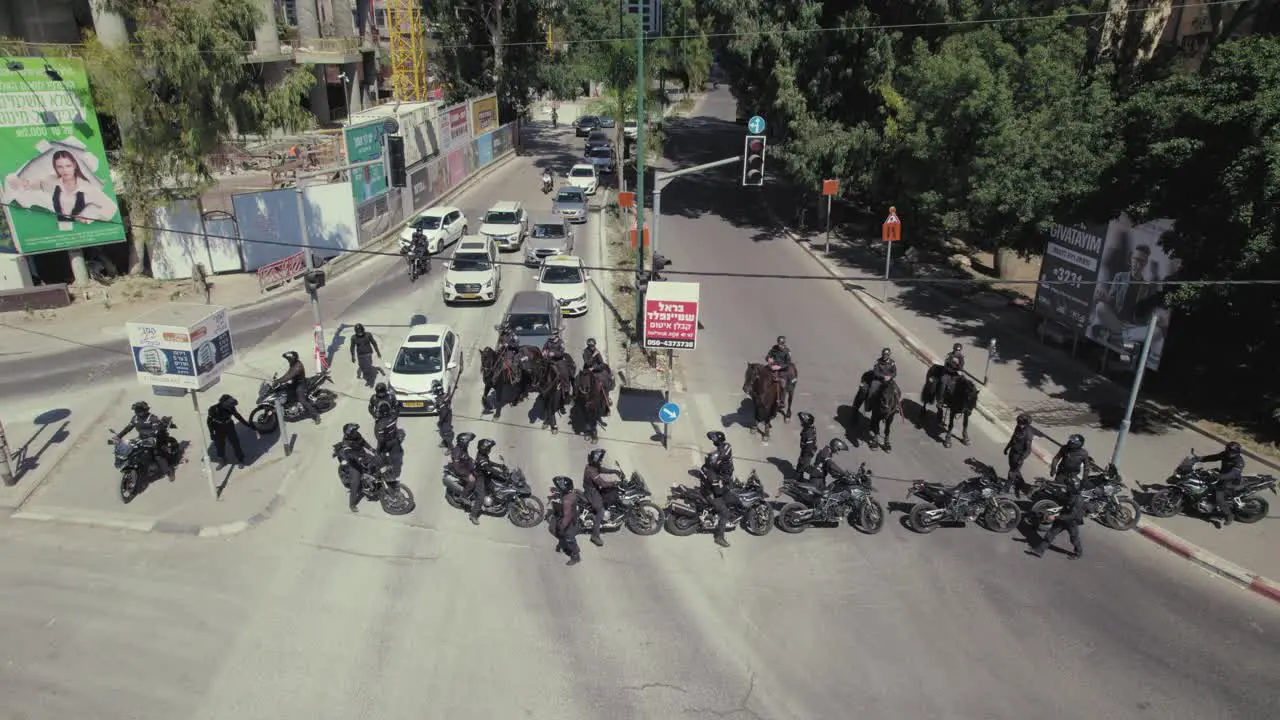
(398, 500)
(128, 486)
(526, 512)
(919, 521)
(1004, 517)
(1040, 513)
(681, 525)
(264, 419)
(869, 519)
(759, 520)
(1251, 510)
(455, 500)
(1165, 504)
(324, 400)
(1124, 516)
(789, 518)
(644, 519)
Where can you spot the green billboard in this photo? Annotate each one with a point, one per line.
(57, 185)
(364, 143)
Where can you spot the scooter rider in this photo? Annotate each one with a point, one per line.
(547, 181)
(295, 378)
(152, 431)
(1230, 477)
(717, 485)
(601, 493)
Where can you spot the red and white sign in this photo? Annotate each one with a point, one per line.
(891, 231)
(671, 316)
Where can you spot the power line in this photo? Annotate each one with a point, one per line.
(785, 31)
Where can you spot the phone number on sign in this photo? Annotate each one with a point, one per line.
(665, 343)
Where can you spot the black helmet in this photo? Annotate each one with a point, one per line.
(485, 446)
(141, 408)
(562, 483)
(359, 329)
(805, 418)
(1076, 441)
(595, 457)
(464, 439)
(1233, 448)
(591, 342)
(716, 437)
(380, 389)
(227, 400)
(838, 445)
(954, 348)
(885, 354)
(782, 339)
(350, 431)
(291, 356)
(437, 387)
(1024, 419)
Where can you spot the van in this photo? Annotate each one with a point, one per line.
(473, 273)
(533, 316)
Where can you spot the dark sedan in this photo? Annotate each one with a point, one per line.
(585, 124)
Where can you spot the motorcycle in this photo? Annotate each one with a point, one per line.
(1103, 499)
(264, 419)
(634, 509)
(847, 496)
(688, 511)
(417, 263)
(970, 500)
(131, 458)
(547, 184)
(508, 494)
(378, 483)
(1191, 489)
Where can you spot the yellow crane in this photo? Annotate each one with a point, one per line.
(408, 53)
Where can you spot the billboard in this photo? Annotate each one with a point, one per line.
(364, 143)
(419, 188)
(1067, 273)
(181, 345)
(671, 316)
(454, 127)
(57, 185)
(1132, 268)
(484, 150)
(484, 115)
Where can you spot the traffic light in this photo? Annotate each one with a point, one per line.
(660, 263)
(642, 283)
(394, 160)
(753, 160)
(313, 280)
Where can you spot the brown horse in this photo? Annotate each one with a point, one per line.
(591, 401)
(767, 390)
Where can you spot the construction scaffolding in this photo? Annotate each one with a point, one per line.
(408, 54)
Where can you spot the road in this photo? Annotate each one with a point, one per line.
(324, 614)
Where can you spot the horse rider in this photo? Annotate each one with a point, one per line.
(591, 355)
(554, 346)
(779, 358)
(884, 370)
(954, 362)
(507, 340)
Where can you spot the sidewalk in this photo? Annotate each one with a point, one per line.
(1063, 397)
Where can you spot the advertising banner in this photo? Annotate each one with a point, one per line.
(671, 316)
(457, 167)
(454, 127)
(484, 115)
(484, 150)
(501, 139)
(1069, 266)
(419, 140)
(364, 143)
(57, 185)
(181, 345)
(1131, 271)
(438, 177)
(420, 189)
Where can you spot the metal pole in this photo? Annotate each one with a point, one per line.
(1133, 391)
(311, 292)
(991, 353)
(888, 257)
(657, 214)
(284, 440)
(205, 466)
(6, 468)
(641, 85)
(666, 397)
(827, 249)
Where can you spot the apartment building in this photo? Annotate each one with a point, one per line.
(650, 12)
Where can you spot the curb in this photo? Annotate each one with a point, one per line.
(1259, 584)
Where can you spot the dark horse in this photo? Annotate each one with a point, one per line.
(554, 384)
(884, 404)
(767, 390)
(937, 385)
(591, 400)
(962, 401)
(507, 375)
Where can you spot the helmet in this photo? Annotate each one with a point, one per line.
(359, 328)
(464, 439)
(885, 354)
(1233, 448)
(485, 446)
(838, 445)
(591, 342)
(954, 348)
(716, 437)
(562, 483)
(1076, 441)
(291, 356)
(595, 457)
(141, 408)
(437, 388)
(782, 339)
(350, 431)
(805, 418)
(1024, 419)
(380, 389)
(226, 399)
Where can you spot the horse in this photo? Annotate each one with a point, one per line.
(789, 377)
(591, 400)
(530, 361)
(885, 405)
(767, 390)
(502, 376)
(962, 401)
(555, 391)
(937, 385)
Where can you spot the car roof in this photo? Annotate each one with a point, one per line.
(588, 166)
(437, 211)
(505, 206)
(532, 301)
(471, 245)
(430, 335)
(563, 260)
(573, 188)
(548, 219)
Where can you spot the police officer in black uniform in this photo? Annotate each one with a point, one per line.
(1072, 516)
(554, 346)
(565, 511)
(382, 395)
(884, 370)
(295, 378)
(151, 432)
(591, 355)
(823, 463)
(1069, 465)
(808, 444)
(601, 493)
(360, 456)
(387, 432)
(1017, 450)
(462, 466)
(363, 346)
(955, 359)
(444, 416)
(717, 482)
(488, 468)
(1230, 477)
(222, 429)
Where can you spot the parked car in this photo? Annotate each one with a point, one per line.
(551, 235)
(473, 273)
(506, 223)
(598, 138)
(430, 354)
(631, 129)
(585, 124)
(442, 225)
(571, 203)
(564, 277)
(602, 158)
(583, 175)
(534, 317)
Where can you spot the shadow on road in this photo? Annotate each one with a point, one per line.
(26, 459)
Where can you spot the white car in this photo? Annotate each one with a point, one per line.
(631, 129)
(430, 354)
(506, 224)
(583, 175)
(473, 273)
(566, 280)
(442, 225)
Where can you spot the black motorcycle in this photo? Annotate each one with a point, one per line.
(634, 509)
(378, 483)
(508, 494)
(133, 458)
(1191, 489)
(1102, 495)
(418, 263)
(848, 495)
(263, 418)
(688, 510)
(970, 500)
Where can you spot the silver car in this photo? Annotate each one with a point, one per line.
(602, 158)
(551, 235)
(570, 204)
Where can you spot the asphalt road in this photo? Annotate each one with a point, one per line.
(322, 614)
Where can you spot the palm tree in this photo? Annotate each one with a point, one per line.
(620, 104)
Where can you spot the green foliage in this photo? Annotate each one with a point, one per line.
(493, 46)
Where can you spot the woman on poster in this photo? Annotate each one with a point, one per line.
(55, 180)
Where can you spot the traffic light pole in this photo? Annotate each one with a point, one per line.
(660, 181)
(642, 85)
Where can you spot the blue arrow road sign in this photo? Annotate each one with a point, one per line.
(669, 413)
(755, 125)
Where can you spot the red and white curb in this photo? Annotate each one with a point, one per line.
(1259, 584)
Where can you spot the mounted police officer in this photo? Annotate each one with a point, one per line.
(884, 370)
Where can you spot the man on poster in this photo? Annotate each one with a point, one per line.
(1125, 303)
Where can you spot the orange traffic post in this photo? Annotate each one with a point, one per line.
(626, 200)
(632, 233)
(890, 232)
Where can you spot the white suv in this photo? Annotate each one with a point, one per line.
(583, 175)
(473, 273)
(506, 224)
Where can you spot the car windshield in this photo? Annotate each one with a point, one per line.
(529, 323)
(418, 361)
(548, 231)
(600, 153)
(587, 120)
(581, 172)
(630, 124)
(470, 263)
(427, 222)
(500, 217)
(569, 196)
(562, 275)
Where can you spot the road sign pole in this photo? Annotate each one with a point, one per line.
(205, 465)
(888, 258)
(1133, 391)
(827, 248)
(666, 398)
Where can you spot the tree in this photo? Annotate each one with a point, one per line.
(178, 93)
(689, 50)
(494, 46)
